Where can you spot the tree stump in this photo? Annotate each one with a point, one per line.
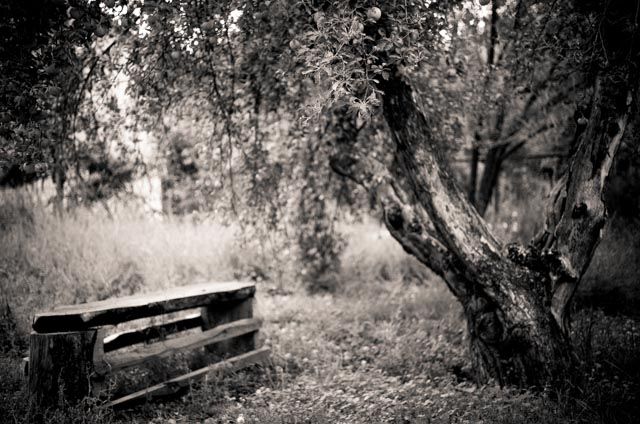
(223, 313)
(61, 367)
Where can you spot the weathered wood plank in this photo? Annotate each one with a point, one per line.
(174, 385)
(61, 366)
(119, 361)
(152, 332)
(117, 310)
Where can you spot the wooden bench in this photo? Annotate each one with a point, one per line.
(71, 352)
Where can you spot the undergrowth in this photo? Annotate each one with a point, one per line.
(388, 346)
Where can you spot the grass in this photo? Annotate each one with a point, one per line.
(611, 282)
(383, 349)
(86, 256)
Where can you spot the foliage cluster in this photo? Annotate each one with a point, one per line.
(47, 60)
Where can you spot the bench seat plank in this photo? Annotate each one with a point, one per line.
(114, 311)
(118, 361)
(175, 385)
(151, 332)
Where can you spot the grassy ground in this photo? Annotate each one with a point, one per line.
(389, 346)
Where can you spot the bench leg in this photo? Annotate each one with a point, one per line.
(214, 315)
(61, 367)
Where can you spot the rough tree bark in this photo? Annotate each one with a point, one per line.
(515, 339)
(577, 214)
(515, 299)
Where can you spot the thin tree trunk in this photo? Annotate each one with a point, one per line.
(492, 167)
(491, 56)
(59, 178)
(493, 162)
(473, 172)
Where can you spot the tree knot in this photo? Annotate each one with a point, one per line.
(342, 164)
(485, 321)
(558, 267)
(528, 256)
(415, 226)
(579, 210)
(394, 217)
(546, 262)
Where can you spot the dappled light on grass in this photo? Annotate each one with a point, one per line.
(369, 360)
(390, 345)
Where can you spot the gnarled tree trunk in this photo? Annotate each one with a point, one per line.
(515, 338)
(515, 298)
(516, 301)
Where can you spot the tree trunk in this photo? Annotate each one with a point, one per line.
(489, 181)
(473, 172)
(59, 178)
(514, 337)
(514, 298)
(577, 213)
(493, 162)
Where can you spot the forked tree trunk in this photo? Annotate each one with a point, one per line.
(515, 299)
(514, 336)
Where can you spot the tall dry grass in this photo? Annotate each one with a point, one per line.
(86, 255)
(373, 256)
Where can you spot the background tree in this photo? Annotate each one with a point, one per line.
(47, 66)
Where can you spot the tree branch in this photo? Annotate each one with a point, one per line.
(577, 213)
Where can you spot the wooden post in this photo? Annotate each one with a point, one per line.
(222, 313)
(61, 366)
